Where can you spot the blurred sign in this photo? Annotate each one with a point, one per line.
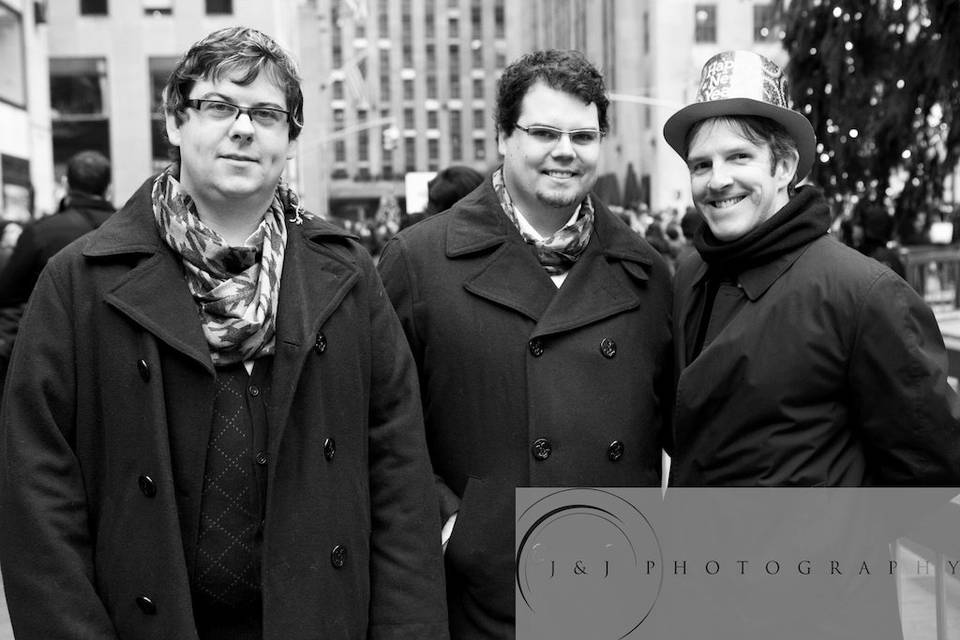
(416, 183)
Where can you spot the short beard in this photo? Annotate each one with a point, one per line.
(559, 201)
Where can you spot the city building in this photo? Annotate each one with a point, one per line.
(26, 167)
(391, 87)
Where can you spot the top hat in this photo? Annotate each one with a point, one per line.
(743, 83)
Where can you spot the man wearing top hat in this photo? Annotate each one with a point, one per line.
(802, 362)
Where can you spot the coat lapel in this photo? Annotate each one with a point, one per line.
(603, 281)
(145, 294)
(509, 276)
(316, 277)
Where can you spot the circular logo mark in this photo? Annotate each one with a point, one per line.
(589, 565)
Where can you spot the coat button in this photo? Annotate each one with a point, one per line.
(261, 458)
(254, 390)
(338, 557)
(608, 348)
(541, 449)
(320, 344)
(615, 450)
(147, 486)
(144, 370)
(329, 448)
(536, 347)
(146, 605)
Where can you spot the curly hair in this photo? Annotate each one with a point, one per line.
(242, 54)
(563, 70)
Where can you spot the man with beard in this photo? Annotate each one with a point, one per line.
(540, 326)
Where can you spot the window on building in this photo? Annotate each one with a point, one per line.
(479, 149)
(339, 151)
(432, 120)
(429, 20)
(476, 55)
(476, 20)
(385, 78)
(479, 121)
(498, 19)
(408, 56)
(705, 23)
(93, 7)
(432, 86)
(13, 73)
(763, 27)
(406, 26)
(78, 106)
(454, 61)
(219, 7)
(336, 89)
(339, 119)
(501, 60)
(433, 154)
(383, 18)
(453, 27)
(337, 58)
(159, 70)
(157, 7)
(363, 145)
(456, 139)
(408, 88)
(478, 86)
(409, 121)
(430, 52)
(646, 32)
(409, 155)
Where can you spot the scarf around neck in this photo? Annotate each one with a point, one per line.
(558, 253)
(235, 288)
(803, 219)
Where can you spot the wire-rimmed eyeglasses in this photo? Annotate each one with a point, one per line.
(551, 135)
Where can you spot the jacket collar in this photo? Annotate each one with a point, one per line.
(757, 280)
(312, 283)
(508, 273)
(478, 223)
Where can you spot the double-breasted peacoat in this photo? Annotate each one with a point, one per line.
(833, 373)
(525, 384)
(106, 421)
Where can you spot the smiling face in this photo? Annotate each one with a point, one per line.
(544, 179)
(735, 182)
(233, 163)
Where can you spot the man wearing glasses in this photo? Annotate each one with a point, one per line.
(212, 427)
(540, 325)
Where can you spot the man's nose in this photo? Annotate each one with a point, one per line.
(720, 177)
(242, 126)
(564, 146)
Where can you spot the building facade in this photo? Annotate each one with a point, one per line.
(27, 186)
(391, 87)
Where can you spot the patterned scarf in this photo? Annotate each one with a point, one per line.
(235, 288)
(560, 251)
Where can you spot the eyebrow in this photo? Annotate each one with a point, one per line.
(216, 95)
(723, 152)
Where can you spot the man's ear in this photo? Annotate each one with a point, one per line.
(786, 169)
(501, 142)
(173, 130)
(291, 149)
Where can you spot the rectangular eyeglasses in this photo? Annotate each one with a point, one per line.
(219, 110)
